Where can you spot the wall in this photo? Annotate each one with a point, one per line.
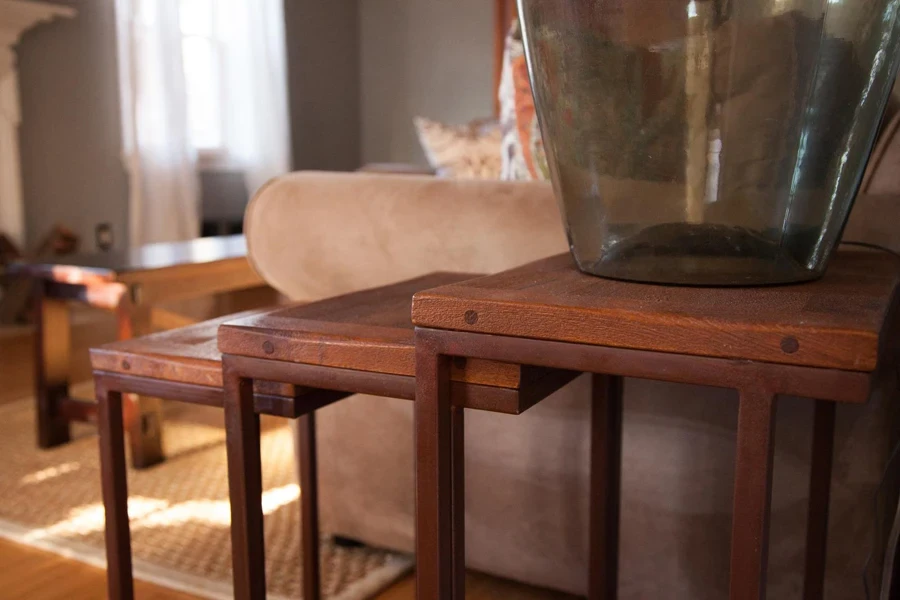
(433, 58)
(323, 81)
(70, 134)
(359, 71)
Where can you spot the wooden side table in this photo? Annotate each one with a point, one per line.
(184, 365)
(358, 343)
(130, 284)
(822, 340)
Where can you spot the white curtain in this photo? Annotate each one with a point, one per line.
(257, 131)
(163, 195)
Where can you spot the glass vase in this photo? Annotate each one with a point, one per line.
(708, 142)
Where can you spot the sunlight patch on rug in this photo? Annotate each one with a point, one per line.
(179, 511)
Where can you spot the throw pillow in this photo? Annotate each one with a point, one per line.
(523, 147)
(470, 151)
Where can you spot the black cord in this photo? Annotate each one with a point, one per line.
(872, 247)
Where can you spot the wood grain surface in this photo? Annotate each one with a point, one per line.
(184, 356)
(142, 258)
(155, 273)
(364, 331)
(836, 322)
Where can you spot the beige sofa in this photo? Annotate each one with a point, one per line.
(314, 235)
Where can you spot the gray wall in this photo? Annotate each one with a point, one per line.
(430, 58)
(70, 135)
(323, 81)
(359, 71)
(71, 132)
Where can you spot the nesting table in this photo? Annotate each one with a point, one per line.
(358, 343)
(184, 365)
(824, 340)
(132, 285)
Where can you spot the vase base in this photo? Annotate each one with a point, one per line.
(699, 255)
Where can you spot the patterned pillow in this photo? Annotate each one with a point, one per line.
(523, 147)
(470, 151)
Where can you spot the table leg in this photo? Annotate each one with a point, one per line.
(606, 469)
(52, 347)
(309, 500)
(440, 495)
(145, 429)
(458, 479)
(752, 494)
(120, 585)
(245, 488)
(819, 497)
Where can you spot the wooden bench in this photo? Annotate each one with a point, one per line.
(132, 285)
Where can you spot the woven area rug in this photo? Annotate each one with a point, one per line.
(179, 511)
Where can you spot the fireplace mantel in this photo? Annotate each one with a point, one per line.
(16, 16)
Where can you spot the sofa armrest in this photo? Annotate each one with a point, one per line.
(313, 235)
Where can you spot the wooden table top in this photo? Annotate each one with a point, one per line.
(185, 355)
(188, 355)
(836, 322)
(364, 331)
(150, 257)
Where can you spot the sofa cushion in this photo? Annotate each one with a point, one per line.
(470, 151)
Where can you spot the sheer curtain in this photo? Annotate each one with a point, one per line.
(257, 132)
(251, 95)
(161, 164)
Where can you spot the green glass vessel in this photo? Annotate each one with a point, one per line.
(708, 142)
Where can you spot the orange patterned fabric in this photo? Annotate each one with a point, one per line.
(523, 147)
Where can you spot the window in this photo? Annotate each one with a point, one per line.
(203, 58)
(204, 80)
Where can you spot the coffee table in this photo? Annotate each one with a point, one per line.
(184, 365)
(824, 340)
(358, 343)
(132, 285)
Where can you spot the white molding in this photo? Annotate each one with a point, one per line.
(16, 16)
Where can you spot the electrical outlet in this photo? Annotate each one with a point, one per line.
(104, 237)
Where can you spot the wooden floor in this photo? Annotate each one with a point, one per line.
(27, 573)
(30, 573)
(36, 575)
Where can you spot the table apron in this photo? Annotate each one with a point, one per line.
(822, 384)
(327, 378)
(191, 393)
(474, 396)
